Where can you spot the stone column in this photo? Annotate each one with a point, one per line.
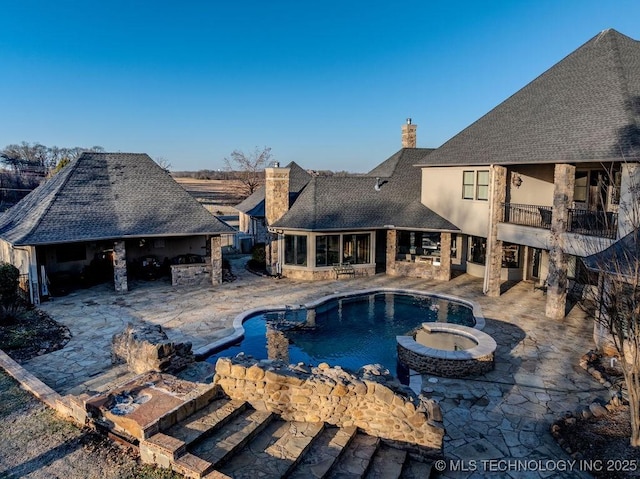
(216, 260)
(557, 282)
(494, 245)
(392, 248)
(445, 257)
(120, 266)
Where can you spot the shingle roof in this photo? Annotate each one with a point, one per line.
(620, 259)
(352, 202)
(586, 107)
(107, 196)
(254, 204)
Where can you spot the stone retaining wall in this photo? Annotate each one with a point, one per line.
(334, 396)
(198, 274)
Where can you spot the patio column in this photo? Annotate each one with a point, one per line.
(120, 266)
(494, 245)
(444, 273)
(392, 249)
(557, 281)
(216, 260)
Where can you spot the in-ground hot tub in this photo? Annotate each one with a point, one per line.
(448, 350)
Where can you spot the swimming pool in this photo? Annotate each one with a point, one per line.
(349, 330)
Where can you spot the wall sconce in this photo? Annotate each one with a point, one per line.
(516, 180)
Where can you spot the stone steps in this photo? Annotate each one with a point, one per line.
(229, 439)
(355, 460)
(324, 452)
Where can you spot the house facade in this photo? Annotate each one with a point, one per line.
(544, 179)
(102, 217)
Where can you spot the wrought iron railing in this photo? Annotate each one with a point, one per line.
(593, 223)
(527, 215)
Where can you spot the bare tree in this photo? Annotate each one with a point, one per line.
(250, 167)
(163, 163)
(616, 299)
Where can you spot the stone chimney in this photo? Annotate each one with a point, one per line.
(409, 134)
(276, 204)
(276, 193)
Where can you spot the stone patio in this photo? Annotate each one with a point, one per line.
(502, 415)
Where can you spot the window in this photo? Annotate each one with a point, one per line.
(327, 250)
(467, 185)
(475, 185)
(482, 188)
(295, 250)
(580, 187)
(477, 249)
(356, 248)
(510, 255)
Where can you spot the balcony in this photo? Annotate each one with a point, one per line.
(593, 223)
(527, 215)
(585, 222)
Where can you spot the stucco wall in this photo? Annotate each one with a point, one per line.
(17, 257)
(442, 192)
(536, 187)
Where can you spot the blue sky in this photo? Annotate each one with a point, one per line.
(327, 84)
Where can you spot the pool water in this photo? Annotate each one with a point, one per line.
(350, 332)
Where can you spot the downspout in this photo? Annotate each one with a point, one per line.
(485, 283)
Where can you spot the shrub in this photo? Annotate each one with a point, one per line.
(258, 254)
(9, 278)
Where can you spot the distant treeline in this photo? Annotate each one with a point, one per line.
(237, 175)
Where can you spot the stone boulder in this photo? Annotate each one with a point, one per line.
(147, 348)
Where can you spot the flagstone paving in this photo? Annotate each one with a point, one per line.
(497, 424)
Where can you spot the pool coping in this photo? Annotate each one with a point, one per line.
(238, 321)
(485, 344)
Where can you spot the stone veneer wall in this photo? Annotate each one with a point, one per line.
(326, 273)
(447, 368)
(334, 396)
(198, 274)
(418, 269)
(216, 260)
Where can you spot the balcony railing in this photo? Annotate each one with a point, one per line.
(593, 223)
(527, 215)
(590, 223)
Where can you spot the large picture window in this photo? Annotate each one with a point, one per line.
(327, 250)
(356, 248)
(295, 250)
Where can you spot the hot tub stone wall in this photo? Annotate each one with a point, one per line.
(334, 396)
(448, 368)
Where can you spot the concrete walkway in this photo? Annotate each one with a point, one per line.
(497, 424)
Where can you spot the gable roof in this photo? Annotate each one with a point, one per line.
(253, 205)
(584, 108)
(352, 202)
(107, 196)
